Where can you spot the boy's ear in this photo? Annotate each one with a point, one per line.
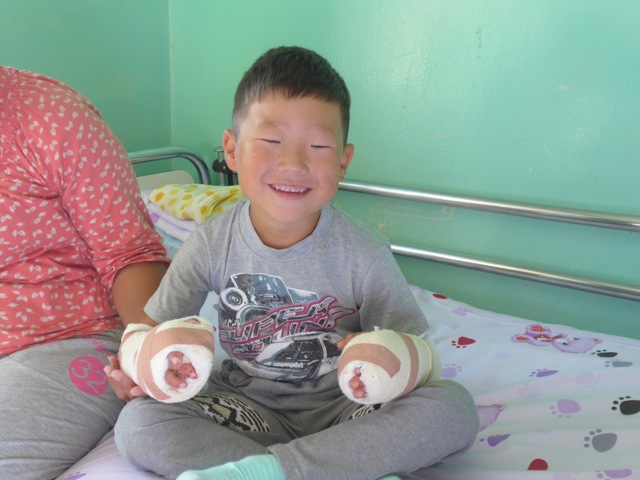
(229, 145)
(347, 155)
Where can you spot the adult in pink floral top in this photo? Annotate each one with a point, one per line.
(78, 259)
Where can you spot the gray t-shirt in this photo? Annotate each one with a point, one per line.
(282, 312)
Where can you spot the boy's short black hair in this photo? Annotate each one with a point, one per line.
(293, 72)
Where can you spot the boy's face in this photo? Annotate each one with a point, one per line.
(289, 156)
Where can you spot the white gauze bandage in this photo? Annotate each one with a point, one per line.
(391, 364)
(144, 350)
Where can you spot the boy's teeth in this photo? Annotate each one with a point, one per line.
(289, 188)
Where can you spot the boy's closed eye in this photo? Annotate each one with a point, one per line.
(322, 144)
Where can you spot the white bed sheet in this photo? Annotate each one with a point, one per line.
(556, 403)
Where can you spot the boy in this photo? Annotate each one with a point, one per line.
(294, 276)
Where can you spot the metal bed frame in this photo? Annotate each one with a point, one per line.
(582, 217)
(168, 153)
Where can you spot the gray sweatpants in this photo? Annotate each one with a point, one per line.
(314, 436)
(55, 405)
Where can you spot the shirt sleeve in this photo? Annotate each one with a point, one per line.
(387, 300)
(185, 286)
(83, 162)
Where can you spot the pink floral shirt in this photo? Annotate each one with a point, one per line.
(70, 214)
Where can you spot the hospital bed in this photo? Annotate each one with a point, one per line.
(556, 401)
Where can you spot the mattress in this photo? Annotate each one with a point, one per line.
(555, 402)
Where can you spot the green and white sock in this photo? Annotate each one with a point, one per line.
(255, 467)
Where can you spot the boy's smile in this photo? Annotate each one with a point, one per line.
(289, 155)
(290, 190)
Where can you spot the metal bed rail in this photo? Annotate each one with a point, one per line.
(145, 156)
(582, 217)
(566, 215)
(611, 289)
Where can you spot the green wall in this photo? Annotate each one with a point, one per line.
(114, 52)
(523, 101)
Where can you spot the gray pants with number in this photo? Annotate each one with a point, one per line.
(319, 436)
(55, 405)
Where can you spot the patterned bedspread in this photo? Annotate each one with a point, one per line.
(555, 403)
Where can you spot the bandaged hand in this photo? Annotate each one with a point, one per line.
(385, 365)
(146, 352)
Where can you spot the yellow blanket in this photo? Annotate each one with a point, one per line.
(194, 201)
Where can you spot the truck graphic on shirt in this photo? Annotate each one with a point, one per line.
(277, 332)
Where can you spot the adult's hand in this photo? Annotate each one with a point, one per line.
(125, 388)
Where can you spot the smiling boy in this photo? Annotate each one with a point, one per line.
(296, 279)
(290, 154)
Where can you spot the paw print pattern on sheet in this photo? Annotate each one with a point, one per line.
(488, 415)
(450, 371)
(618, 364)
(612, 363)
(600, 441)
(463, 342)
(565, 407)
(529, 392)
(614, 474)
(626, 405)
(538, 464)
(495, 440)
(605, 354)
(543, 372)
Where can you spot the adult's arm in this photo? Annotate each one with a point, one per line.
(132, 287)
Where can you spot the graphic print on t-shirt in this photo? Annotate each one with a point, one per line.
(277, 332)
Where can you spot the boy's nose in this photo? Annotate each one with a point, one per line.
(293, 160)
